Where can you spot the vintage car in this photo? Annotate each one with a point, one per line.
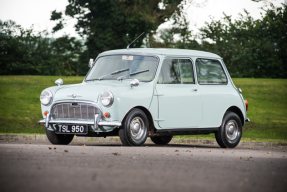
(145, 92)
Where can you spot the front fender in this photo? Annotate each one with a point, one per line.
(127, 98)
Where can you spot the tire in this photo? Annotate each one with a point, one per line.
(59, 139)
(230, 132)
(161, 140)
(135, 128)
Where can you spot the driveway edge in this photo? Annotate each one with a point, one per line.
(117, 140)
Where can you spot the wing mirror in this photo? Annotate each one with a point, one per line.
(91, 63)
(59, 82)
(134, 83)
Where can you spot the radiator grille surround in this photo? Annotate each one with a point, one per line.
(74, 110)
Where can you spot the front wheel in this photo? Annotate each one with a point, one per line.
(135, 128)
(229, 133)
(59, 139)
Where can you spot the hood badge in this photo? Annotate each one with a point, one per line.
(74, 95)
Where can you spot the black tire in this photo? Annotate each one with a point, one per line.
(161, 140)
(135, 128)
(230, 132)
(59, 139)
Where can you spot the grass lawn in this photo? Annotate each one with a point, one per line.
(20, 105)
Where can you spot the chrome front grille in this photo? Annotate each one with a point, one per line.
(74, 111)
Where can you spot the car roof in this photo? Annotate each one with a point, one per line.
(162, 51)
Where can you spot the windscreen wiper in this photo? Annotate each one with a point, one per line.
(115, 72)
(92, 79)
(138, 72)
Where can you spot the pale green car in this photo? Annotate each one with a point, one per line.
(140, 93)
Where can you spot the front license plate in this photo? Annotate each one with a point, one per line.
(71, 129)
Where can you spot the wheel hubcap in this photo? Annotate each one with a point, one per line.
(231, 130)
(137, 128)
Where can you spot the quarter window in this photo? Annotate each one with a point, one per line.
(210, 72)
(176, 71)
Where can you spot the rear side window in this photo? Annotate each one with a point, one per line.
(210, 72)
(176, 71)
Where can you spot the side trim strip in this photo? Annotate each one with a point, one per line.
(187, 130)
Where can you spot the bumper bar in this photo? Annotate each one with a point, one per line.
(247, 120)
(96, 122)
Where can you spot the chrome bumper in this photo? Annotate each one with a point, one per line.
(96, 122)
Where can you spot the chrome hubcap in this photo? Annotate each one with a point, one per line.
(231, 130)
(137, 128)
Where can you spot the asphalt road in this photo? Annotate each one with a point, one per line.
(96, 166)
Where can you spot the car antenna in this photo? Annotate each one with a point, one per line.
(134, 41)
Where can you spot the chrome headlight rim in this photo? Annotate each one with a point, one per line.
(50, 97)
(111, 101)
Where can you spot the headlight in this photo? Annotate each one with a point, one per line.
(107, 98)
(46, 97)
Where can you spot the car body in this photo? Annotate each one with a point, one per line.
(135, 93)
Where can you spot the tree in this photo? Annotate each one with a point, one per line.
(112, 24)
(251, 48)
(22, 52)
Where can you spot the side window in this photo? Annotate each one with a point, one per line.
(176, 71)
(186, 72)
(169, 73)
(210, 72)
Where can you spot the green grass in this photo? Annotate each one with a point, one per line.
(267, 109)
(20, 108)
(20, 105)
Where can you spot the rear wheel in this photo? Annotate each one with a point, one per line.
(161, 140)
(59, 139)
(229, 133)
(135, 128)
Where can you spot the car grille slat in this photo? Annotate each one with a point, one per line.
(65, 110)
(83, 111)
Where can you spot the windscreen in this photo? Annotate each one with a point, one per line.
(119, 67)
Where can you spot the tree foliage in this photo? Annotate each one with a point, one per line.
(24, 52)
(250, 48)
(113, 24)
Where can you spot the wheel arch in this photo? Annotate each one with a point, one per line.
(236, 110)
(148, 114)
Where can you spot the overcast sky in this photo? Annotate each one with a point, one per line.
(38, 12)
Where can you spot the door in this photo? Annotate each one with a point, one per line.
(180, 104)
(217, 94)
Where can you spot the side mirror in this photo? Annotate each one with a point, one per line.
(91, 63)
(134, 83)
(59, 82)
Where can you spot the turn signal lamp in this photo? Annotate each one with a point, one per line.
(46, 113)
(246, 105)
(107, 115)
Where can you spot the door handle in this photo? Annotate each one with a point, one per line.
(194, 89)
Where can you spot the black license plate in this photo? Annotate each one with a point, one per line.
(71, 129)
